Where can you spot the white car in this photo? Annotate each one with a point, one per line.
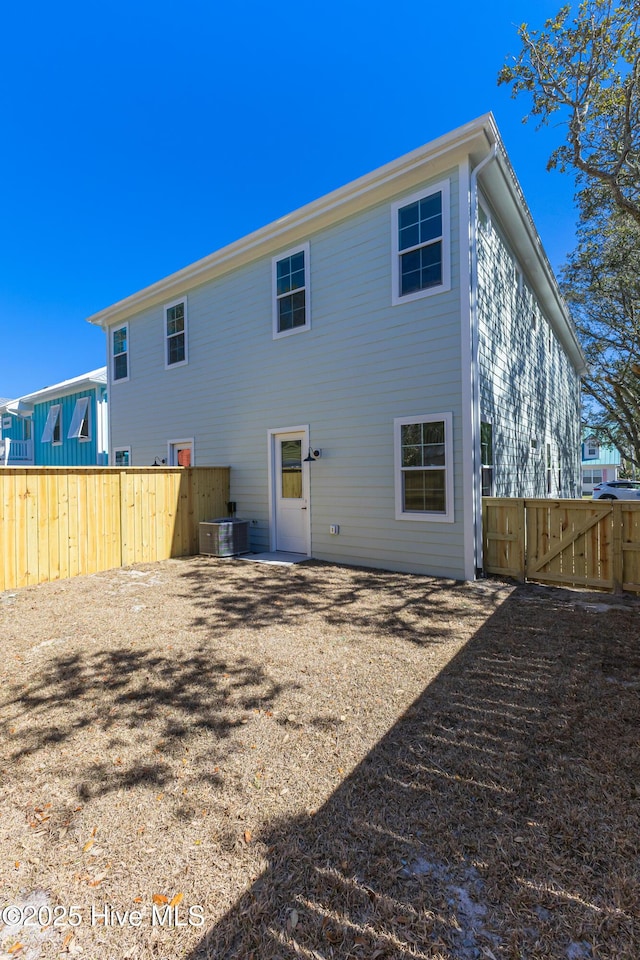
(617, 490)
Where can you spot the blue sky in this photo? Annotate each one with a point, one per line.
(139, 137)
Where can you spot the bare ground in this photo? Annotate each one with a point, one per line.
(318, 762)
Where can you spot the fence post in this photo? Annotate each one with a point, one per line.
(521, 530)
(618, 555)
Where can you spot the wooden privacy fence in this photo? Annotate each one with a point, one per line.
(580, 543)
(58, 522)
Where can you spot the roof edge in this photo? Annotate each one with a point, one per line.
(93, 378)
(361, 192)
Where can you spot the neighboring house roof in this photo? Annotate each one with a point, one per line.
(85, 381)
(4, 401)
(475, 141)
(609, 457)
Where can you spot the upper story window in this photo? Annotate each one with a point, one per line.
(120, 352)
(420, 228)
(52, 432)
(80, 428)
(592, 450)
(424, 468)
(291, 313)
(175, 320)
(483, 216)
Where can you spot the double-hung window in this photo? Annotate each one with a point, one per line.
(424, 467)
(420, 230)
(291, 307)
(52, 432)
(592, 451)
(120, 352)
(80, 428)
(486, 452)
(175, 329)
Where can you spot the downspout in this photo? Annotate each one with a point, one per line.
(475, 386)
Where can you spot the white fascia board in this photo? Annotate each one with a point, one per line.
(17, 408)
(408, 171)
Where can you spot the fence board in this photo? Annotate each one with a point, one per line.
(569, 542)
(630, 548)
(503, 523)
(57, 522)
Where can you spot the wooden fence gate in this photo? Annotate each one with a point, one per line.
(579, 543)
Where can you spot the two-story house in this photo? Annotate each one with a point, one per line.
(368, 366)
(599, 462)
(61, 425)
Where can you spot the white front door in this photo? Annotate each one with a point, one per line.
(290, 492)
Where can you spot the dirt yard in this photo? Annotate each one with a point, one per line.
(219, 759)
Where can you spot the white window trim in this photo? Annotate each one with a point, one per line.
(81, 409)
(302, 248)
(112, 356)
(121, 450)
(185, 441)
(448, 516)
(54, 416)
(180, 363)
(444, 188)
(482, 205)
(589, 445)
(492, 466)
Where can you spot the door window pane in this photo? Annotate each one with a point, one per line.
(291, 469)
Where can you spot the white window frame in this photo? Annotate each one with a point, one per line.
(54, 419)
(302, 248)
(177, 443)
(589, 476)
(398, 423)
(112, 357)
(81, 412)
(483, 211)
(116, 451)
(167, 336)
(487, 466)
(591, 450)
(396, 297)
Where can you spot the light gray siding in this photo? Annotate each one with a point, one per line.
(529, 389)
(363, 363)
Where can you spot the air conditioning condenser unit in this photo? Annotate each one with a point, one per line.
(224, 537)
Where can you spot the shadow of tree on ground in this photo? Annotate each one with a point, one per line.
(138, 700)
(498, 818)
(254, 596)
(125, 710)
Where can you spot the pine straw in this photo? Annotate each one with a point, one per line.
(330, 762)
